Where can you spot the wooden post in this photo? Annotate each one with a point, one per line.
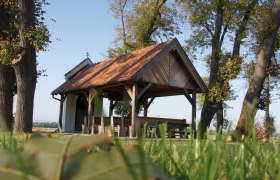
(111, 108)
(62, 98)
(112, 127)
(92, 125)
(145, 106)
(89, 114)
(130, 131)
(90, 97)
(134, 121)
(84, 127)
(122, 127)
(102, 125)
(194, 113)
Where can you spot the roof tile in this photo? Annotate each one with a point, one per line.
(112, 70)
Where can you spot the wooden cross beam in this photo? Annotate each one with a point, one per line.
(190, 99)
(150, 102)
(142, 92)
(146, 105)
(129, 91)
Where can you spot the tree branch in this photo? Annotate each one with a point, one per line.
(206, 25)
(239, 35)
(223, 34)
(18, 58)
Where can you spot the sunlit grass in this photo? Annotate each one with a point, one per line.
(193, 159)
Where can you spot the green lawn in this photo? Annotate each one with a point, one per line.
(193, 159)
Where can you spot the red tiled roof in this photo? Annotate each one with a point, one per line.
(112, 70)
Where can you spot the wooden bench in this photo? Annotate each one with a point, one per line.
(122, 126)
(174, 129)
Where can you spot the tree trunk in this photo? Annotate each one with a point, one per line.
(209, 108)
(251, 100)
(7, 78)
(220, 118)
(25, 70)
(6, 97)
(267, 119)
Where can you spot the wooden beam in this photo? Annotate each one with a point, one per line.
(129, 91)
(174, 92)
(189, 65)
(91, 94)
(151, 101)
(62, 99)
(134, 122)
(145, 106)
(85, 125)
(188, 97)
(92, 126)
(111, 108)
(141, 93)
(122, 133)
(112, 127)
(194, 113)
(101, 130)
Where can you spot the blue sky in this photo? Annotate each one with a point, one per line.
(87, 26)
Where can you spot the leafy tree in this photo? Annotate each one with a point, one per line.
(119, 9)
(123, 108)
(7, 78)
(266, 49)
(142, 22)
(27, 34)
(213, 23)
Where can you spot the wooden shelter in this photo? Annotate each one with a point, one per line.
(142, 75)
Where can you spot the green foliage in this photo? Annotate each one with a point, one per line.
(10, 40)
(142, 22)
(76, 157)
(151, 19)
(269, 125)
(38, 37)
(215, 159)
(214, 24)
(122, 108)
(260, 25)
(218, 93)
(229, 67)
(45, 124)
(9, 51)
(93, 156)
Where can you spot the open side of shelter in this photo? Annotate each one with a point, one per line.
(139, 76)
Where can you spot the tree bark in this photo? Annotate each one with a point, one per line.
(220, 118)
(7, 79)
(267, 119)
(209, 108)
(252, 97)
(6, 97)
(239, 36)
(25, 70)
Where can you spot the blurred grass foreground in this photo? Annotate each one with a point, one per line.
(65, 156)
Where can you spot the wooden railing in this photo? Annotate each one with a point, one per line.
(121, 126)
